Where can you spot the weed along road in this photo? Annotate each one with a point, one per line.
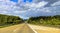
(21, 28)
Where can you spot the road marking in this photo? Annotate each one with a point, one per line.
(32, 29)
(28, 26)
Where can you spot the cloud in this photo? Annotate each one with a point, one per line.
(3, 12)
(49, 2)
(56, 3)
(6, 5)
(26, 10)
(36, 5)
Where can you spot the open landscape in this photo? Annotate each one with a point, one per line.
(41, 24)
(29, 16)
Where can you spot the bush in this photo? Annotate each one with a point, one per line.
(6, 19)
(45, 20)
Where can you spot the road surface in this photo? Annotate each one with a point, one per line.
(28, 28)
(22, 28)
(44, 29)
(25, 29)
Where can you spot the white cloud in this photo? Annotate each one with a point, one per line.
(6, 5)
(36, 5)
(26, 10)
(19, 12)
(56, 3)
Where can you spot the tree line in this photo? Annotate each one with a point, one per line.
(41, 20)
(7, 19)
(45, 20)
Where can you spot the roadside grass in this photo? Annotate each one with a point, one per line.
(53, 26)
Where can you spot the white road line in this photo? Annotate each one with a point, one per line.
(29, 26)
(32, 29)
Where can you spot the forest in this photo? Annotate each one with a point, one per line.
(53, 21)
(9, 19)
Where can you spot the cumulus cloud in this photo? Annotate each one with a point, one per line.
(36, 5)
(56, 3)
(26, 10)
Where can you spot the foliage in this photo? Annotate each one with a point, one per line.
(45, 20)
(7, 19)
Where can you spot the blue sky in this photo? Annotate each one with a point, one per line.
(23, 0)
(30, 8)
(14, 0)
(28, 0)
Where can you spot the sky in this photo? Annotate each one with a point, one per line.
(30, 8)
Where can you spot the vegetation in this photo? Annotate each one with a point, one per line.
(9, 20)
(45, 20)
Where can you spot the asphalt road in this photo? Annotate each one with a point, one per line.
(27, 28)
(24, 28)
